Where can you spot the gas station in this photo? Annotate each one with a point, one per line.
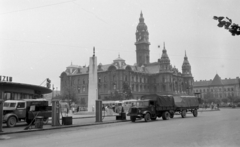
(16, 91)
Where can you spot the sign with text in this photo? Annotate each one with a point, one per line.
(5, 79)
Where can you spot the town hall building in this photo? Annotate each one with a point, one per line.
(142, 78)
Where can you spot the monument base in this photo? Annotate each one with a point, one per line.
(85, 113)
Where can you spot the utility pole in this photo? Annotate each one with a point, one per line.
(53, 91)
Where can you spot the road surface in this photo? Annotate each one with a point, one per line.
(209, 129)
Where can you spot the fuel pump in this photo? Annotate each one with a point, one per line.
(1, 109)
(55, 112)
(98, 110)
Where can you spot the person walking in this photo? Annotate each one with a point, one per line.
(73, 110)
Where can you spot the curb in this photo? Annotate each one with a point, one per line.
(63, 127)
(92, 117)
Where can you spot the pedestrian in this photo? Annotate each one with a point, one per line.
(77, 108)
(212, 105)
(103, 108)
(73, 109)
(218, 105)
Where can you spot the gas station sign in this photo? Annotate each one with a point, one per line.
(5, 79)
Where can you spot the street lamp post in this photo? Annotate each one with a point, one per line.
(53, 91)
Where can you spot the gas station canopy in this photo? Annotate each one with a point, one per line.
(25, 88)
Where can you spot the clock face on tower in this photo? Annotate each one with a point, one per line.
(139, 38)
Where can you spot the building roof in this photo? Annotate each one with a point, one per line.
(230, 81)
(119, 59)
(201, 83)
(119, 63)
(153, 68)
(217, 81)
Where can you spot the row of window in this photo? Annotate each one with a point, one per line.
(19, 96)
(223, 95)
(214, 90)
(133, 87)
(140, 79)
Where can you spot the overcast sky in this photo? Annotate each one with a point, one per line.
(40, 38)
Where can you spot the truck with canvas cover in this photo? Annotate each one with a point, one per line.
(152, 106)
(184, 104)
(25, 110)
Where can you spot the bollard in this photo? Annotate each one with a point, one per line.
(98, 111)
(55, 112)
(39, 122)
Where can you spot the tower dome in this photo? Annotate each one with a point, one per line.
(164, 59)
(119, 62)
(186, 67)
(142, 31)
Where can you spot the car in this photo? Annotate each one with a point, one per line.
(27, 109)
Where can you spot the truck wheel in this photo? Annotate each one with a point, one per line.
(195, 113)
(133, 119)
(11, 122)
(166, 115)
(171, 115)
(147, 117)
(183, 114)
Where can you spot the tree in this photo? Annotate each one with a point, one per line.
(237, 100)
(208, 98)
(69, 95)
(127, 92)
(233, 28)
(231, 99)
(225, 100)
(58, 97)
(115, 95)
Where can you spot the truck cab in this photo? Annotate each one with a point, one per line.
(17, 110)
(143, 109)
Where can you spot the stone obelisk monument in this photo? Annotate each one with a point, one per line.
(93, 82)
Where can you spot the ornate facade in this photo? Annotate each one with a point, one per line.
(218, 88)
(143, 78)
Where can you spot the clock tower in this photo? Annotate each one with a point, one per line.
(142, 43)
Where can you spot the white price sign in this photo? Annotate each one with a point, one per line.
(5, 79)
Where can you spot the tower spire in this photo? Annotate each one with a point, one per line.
(186, 67)
(141, 19)
(142, 43)
(94, 51)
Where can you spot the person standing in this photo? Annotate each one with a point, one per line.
(73, 110)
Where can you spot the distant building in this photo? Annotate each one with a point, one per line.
(159, 77)
(51, 95)
(218, 88)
